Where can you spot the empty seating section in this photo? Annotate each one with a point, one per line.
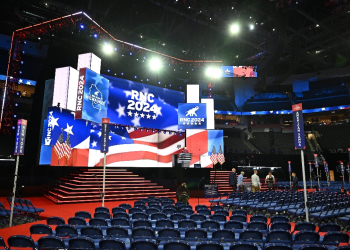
(223, 105)
(237, 145)
(334, 138)
(261, 140)
(284, 142)
(190, 229)
(328, 101)
(267, 105)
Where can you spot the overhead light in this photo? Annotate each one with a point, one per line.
(234, 28)
(251, 27)
(107, 48)
(155, 64)
(213, 72)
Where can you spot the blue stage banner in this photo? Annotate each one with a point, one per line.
(192, 116)
(215, 138)
(289, 166)
(20, 137)
(211, 190)
(105, 135)
(220, 112)
(58, 119)
(141, 105)
(298, 124)
(316, 161)
(45, 151)
(92, 96)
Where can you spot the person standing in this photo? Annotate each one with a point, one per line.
(255, 182)
(240, 182)
(270, 181)
(295, 182)
(233, 180)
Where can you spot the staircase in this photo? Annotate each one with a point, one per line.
(86, 186)
(221, 178)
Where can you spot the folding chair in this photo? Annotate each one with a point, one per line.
(20, 241)
(51, 242)
(66, 231)
(102, 209)
(107, 244)
(35, 211)
(118, 210)
(2, 243)
(40, 229)
(177, 245)
(81, 242)
(54, 220)
(126, 206)
(104, 215)
(83, 214)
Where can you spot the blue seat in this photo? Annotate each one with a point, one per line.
(222, 212)
(343, 248)
(66, 231)
(177, 245)
(218, 217)
(98, 222)
(158, 216)
(120, 216)
(280, 226)
(2, 243)
(40, 229)
(120, 222)
(92, 232)
(235, 226)
(306, 237)
(81, 242)
(166, 203)
(198, 217)
(20, 241)
(144, 245)
(169, 211)
(305, 226)
(279, 236)
(177, 217)
(258, 217)
(240, 218)
(142, 223)
(153, 203)
(115, 244)
(200, 207)
(275, 246)
(103, 215)
(126, 206)
(243, 246)
(6, 214)
(139, 208)
(250, 235)
(118, 210)
(216, 208)
(209, 246)
(223, 235)
(257, 225)
(186, 211)
(313, 247)
(186, 224)
(51, 242)
(143, 233)
(329, 227)
(83, 214)
(279, 218)
(210, 225)
(102, 209)
(35, 211)
(168, 234)
(164, 224)
(205, 212)
(159, 207)
(54, 220)
(139, 216)
(239, 212)
(334, 238)
(186, 206)
(196, 235)
(139, 203)
(117, 232)
(150, 211)
(78, 222)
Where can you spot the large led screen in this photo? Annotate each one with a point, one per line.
(239, 71)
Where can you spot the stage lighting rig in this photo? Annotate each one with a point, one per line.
(155, 64)
(234, 28)
(107, 48)
(213, 72)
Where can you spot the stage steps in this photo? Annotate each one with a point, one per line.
(86, 186)
(221, 178)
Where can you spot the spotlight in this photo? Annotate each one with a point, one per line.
(95, 35)
(147, 80)
(16, 104)
(108, 49)
(39, 38)
(234, 29)
(108, 70)
(251, 27)
(13, 127)
(213, 72)
(14, 116)
(158, 82)
(130, 53)
(82, 26)
(155, 64)
(135, 77)
(153, 131)
(115, 49)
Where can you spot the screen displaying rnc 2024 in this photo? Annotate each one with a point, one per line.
(129, 104)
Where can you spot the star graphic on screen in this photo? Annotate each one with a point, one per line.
(120, 110)
(148, 116)
(188, 123)
(99, 134)
(136, 114)
(199, 123)
(129, 113)
(162, 101)
(69, 129)
(53, 122)
(98, 79)
(123, 138)
(195, 123)
(157, 110)
(110, 137)
(227, 72)
(127, 93)
(184, 123)
(145, 90)
(142, 115)
(154, 117)
(136, 121)
(94, 144)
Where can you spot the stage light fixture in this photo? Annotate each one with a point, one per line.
(135, 77)
(108, 70)
(107, 48)
(95, 35)
(251, 27)
(213, 72)
(234, 28)
(82, 26)
(155, 64)
(115, 49)
(13, 127)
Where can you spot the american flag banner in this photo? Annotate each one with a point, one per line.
(58, 148)
(214, 156)
(66, 147)
(221, 157)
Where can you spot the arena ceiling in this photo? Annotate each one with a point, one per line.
(281, 37)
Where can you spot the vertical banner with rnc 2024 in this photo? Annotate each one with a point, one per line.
(20, 137)
(105, 135)
(298, 124)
